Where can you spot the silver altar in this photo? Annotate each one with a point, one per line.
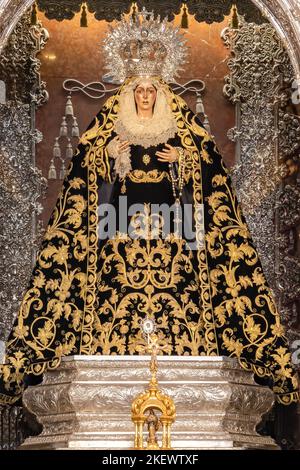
(86, 403)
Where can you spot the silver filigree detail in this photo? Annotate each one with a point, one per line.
(19, 65)
(21, 185)
(21, 182)
(266, 135)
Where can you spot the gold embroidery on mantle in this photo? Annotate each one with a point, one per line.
(191, 151)
(98, 158)
(140, 278)
(245, 323)
(146, 224)
(152, 176)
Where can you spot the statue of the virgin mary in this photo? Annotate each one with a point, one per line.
(147, 225)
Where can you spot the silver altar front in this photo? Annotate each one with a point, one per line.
(86, 403)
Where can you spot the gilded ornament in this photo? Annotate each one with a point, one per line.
(146, 159)
(152, 407)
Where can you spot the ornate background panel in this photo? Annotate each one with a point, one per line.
(266, 175)
(21, 183)
(284, 15)
(267, 135)
(204, 10)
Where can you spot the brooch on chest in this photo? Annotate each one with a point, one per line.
(146, 159)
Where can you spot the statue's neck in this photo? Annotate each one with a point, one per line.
(145, 114)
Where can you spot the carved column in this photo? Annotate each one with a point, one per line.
(86, 403)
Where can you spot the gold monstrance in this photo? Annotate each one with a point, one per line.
(152, 408)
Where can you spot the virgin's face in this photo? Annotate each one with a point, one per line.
(145, 96)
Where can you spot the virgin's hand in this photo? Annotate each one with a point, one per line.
(169, 154)
(115, 147)
(122, 146)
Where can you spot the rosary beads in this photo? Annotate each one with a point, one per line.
(177, 185)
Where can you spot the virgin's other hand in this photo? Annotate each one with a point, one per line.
(169, 154)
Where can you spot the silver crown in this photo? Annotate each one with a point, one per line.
(144, 46)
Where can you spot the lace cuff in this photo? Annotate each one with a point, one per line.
(112, 148)
(123, 164)
(122, 160)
